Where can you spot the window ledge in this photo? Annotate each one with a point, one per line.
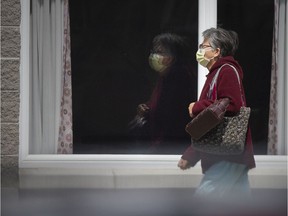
(133, 171)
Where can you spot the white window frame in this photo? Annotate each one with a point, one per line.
(207, 19)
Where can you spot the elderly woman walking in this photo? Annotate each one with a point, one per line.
(224, 176)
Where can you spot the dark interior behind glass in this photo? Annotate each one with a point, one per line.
(110, 45)
(253, 21)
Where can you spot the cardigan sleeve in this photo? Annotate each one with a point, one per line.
(200, 106)
(191, 155)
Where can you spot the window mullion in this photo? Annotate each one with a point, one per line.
(207, 18)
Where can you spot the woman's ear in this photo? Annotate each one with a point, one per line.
(217, 52)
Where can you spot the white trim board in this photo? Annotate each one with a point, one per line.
(134, 171)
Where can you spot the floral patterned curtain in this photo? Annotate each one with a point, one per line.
(65, 139)
(277, 119)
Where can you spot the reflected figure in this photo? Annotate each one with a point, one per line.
(165, 114)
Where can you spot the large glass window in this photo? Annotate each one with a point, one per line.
(253, 21)
(111, 42)
(110, 45)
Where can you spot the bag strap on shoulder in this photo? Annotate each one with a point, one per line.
(214, 81)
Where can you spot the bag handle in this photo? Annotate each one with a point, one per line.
(214, 81)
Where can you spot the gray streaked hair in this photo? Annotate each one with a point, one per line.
(226, 40)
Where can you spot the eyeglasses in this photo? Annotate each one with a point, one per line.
(203, 46)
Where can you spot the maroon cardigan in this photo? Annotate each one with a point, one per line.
(168, 110)
(227, 86)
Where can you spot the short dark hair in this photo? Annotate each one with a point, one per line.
(178, 46)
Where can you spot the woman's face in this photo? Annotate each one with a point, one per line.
(160, 58)
(209, 51)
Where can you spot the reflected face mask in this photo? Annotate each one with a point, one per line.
(156, 62)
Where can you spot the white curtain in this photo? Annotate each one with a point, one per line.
(46, 75)
(277, 136)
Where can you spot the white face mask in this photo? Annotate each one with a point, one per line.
(156, 62)
(201, 59)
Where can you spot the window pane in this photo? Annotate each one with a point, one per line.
(253, 21)
(111, 42)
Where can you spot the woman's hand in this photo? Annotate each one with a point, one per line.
(142, 110)
(183, 164)
(190, 109)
